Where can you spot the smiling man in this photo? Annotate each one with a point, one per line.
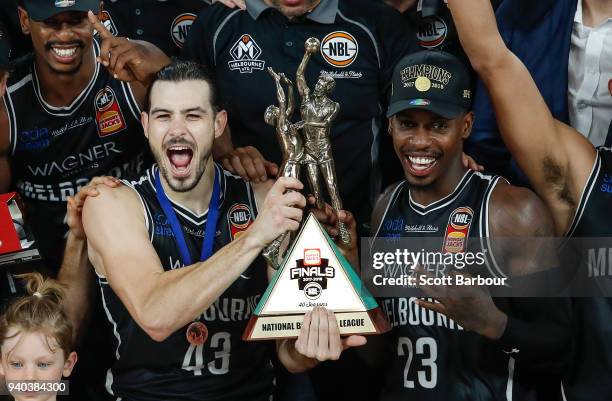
(461, 358)
(64, 118)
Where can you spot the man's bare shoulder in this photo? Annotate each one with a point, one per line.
(113, 207)
(518, 211)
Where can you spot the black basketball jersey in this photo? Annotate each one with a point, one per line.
(56, 150)
(224, 367)
(591, 366)
(434, 358)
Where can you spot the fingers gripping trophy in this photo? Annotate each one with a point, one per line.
(313, 148)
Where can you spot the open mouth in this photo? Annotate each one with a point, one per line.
(65, 54)
(420, 165)
(180, 157)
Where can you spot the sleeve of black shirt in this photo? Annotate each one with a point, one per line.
(397, 39)
(539, 331)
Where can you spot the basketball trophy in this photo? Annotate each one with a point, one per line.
(312, 272)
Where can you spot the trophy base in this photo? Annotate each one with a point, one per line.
(370, 322)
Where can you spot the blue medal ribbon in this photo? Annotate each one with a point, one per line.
(211, 221)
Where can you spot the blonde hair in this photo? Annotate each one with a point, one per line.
(40, 311)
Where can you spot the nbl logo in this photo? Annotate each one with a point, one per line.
(432, 32)
(245, 53)
(461, 218)
(339, 49)
(180, 28)
(313, 290)
(239, 218)
(457, 230)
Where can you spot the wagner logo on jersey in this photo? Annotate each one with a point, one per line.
(339, 49)
(239, 218)
(457, 230)
(108, 22)
(108, 113)
(245, 53)
(180, 28)
(432, 32)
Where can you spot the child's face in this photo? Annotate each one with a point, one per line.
(27, 357)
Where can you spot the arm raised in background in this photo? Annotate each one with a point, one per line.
(555, 157)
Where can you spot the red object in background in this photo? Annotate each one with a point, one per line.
(16, 242)
(9, 240)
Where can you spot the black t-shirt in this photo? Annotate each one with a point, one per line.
(361, 42)
(165, 23)
(225, 367)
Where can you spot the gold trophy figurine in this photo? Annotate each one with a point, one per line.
(318, 111)
(292, 147)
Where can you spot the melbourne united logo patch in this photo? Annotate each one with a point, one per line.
(245, 54)
(239, 218)
(108, 22)
(339, 49)
(312, 273)
(457, 230)
(180, 28)
(108, 113)
(431, 32)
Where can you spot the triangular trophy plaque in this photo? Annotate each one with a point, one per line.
(314, 273)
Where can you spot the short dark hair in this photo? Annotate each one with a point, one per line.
(178, 71)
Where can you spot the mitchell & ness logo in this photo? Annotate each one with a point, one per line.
(245, 53)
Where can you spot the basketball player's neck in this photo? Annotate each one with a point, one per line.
(60, 90)
(401, 5)
(443, 186)
(289, 12)
(594, 12)
(198, 199)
